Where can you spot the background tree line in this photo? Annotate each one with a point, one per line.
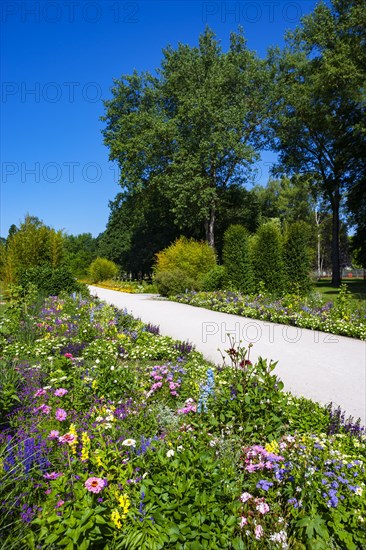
(187, 136)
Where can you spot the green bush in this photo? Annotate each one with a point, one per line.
(172, 282)
(214, 279)
(102, 269)
(185, 258)
(267, 258)
(49, 281)
(237, 259)
(297, 258)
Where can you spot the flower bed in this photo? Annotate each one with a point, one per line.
(115, 437)
(340, 317)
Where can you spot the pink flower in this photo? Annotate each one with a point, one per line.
(53, 434)
(60, 392)
(68, 355)
(251, 468)
(61, 414)
(52, 475)
(45, 409)
(245, 496)
(40, 392)
(258, 532)
(262, 508)
(243, 521)
(60, 503)
(67, 438)
(48, 491)
(94, 484)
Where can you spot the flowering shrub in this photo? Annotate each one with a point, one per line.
(116, 437)
(341, 317)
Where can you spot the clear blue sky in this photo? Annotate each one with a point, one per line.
(58, 61)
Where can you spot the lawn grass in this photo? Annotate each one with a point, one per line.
(357, 288)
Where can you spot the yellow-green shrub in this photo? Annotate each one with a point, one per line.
(187, 257)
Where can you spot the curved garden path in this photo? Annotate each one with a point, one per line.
(320, 366)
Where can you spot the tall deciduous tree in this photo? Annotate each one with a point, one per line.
(193, 130)
(319, 105)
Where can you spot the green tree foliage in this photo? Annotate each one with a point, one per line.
(267, 257)
(236, 257)
(288, 199)
(215, 279)
(49, 281)
(80, 251)
(33, 245)
(318, 114)
(140, 224)
(193, 130)
(102, 269)
(297, 257)
(186, 259)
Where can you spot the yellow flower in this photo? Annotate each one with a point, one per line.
(94, 384)
(272, 447)
(73, 431)
(124, 503)
(85, 439)
(116, 518)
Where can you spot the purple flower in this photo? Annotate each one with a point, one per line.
(61, 414)
(52, 475)
(264, 484)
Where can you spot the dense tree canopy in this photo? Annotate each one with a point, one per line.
(318, 111)
(193, 130)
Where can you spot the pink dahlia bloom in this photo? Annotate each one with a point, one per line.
(67, 438)
(60, 392)
(40, 392)
(61, 415)
(94, 484)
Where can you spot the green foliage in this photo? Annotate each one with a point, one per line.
(237, 259)
(267, 257)
(9, 386)
(32, 245)
(102, 269)
(80, 251)
(215, 279)
(174, 281)
(297, 258)
(185, 259)
(49, 281)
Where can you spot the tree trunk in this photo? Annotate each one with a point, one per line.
(336, 271)
(210, 228)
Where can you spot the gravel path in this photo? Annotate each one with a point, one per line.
(319, 366)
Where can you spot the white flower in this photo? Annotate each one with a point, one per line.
(112, 368)
(170, 453)
(359, 491)
(129, 442)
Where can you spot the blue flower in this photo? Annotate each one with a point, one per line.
(264, 484)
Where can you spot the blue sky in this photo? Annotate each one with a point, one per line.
(58, 61)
